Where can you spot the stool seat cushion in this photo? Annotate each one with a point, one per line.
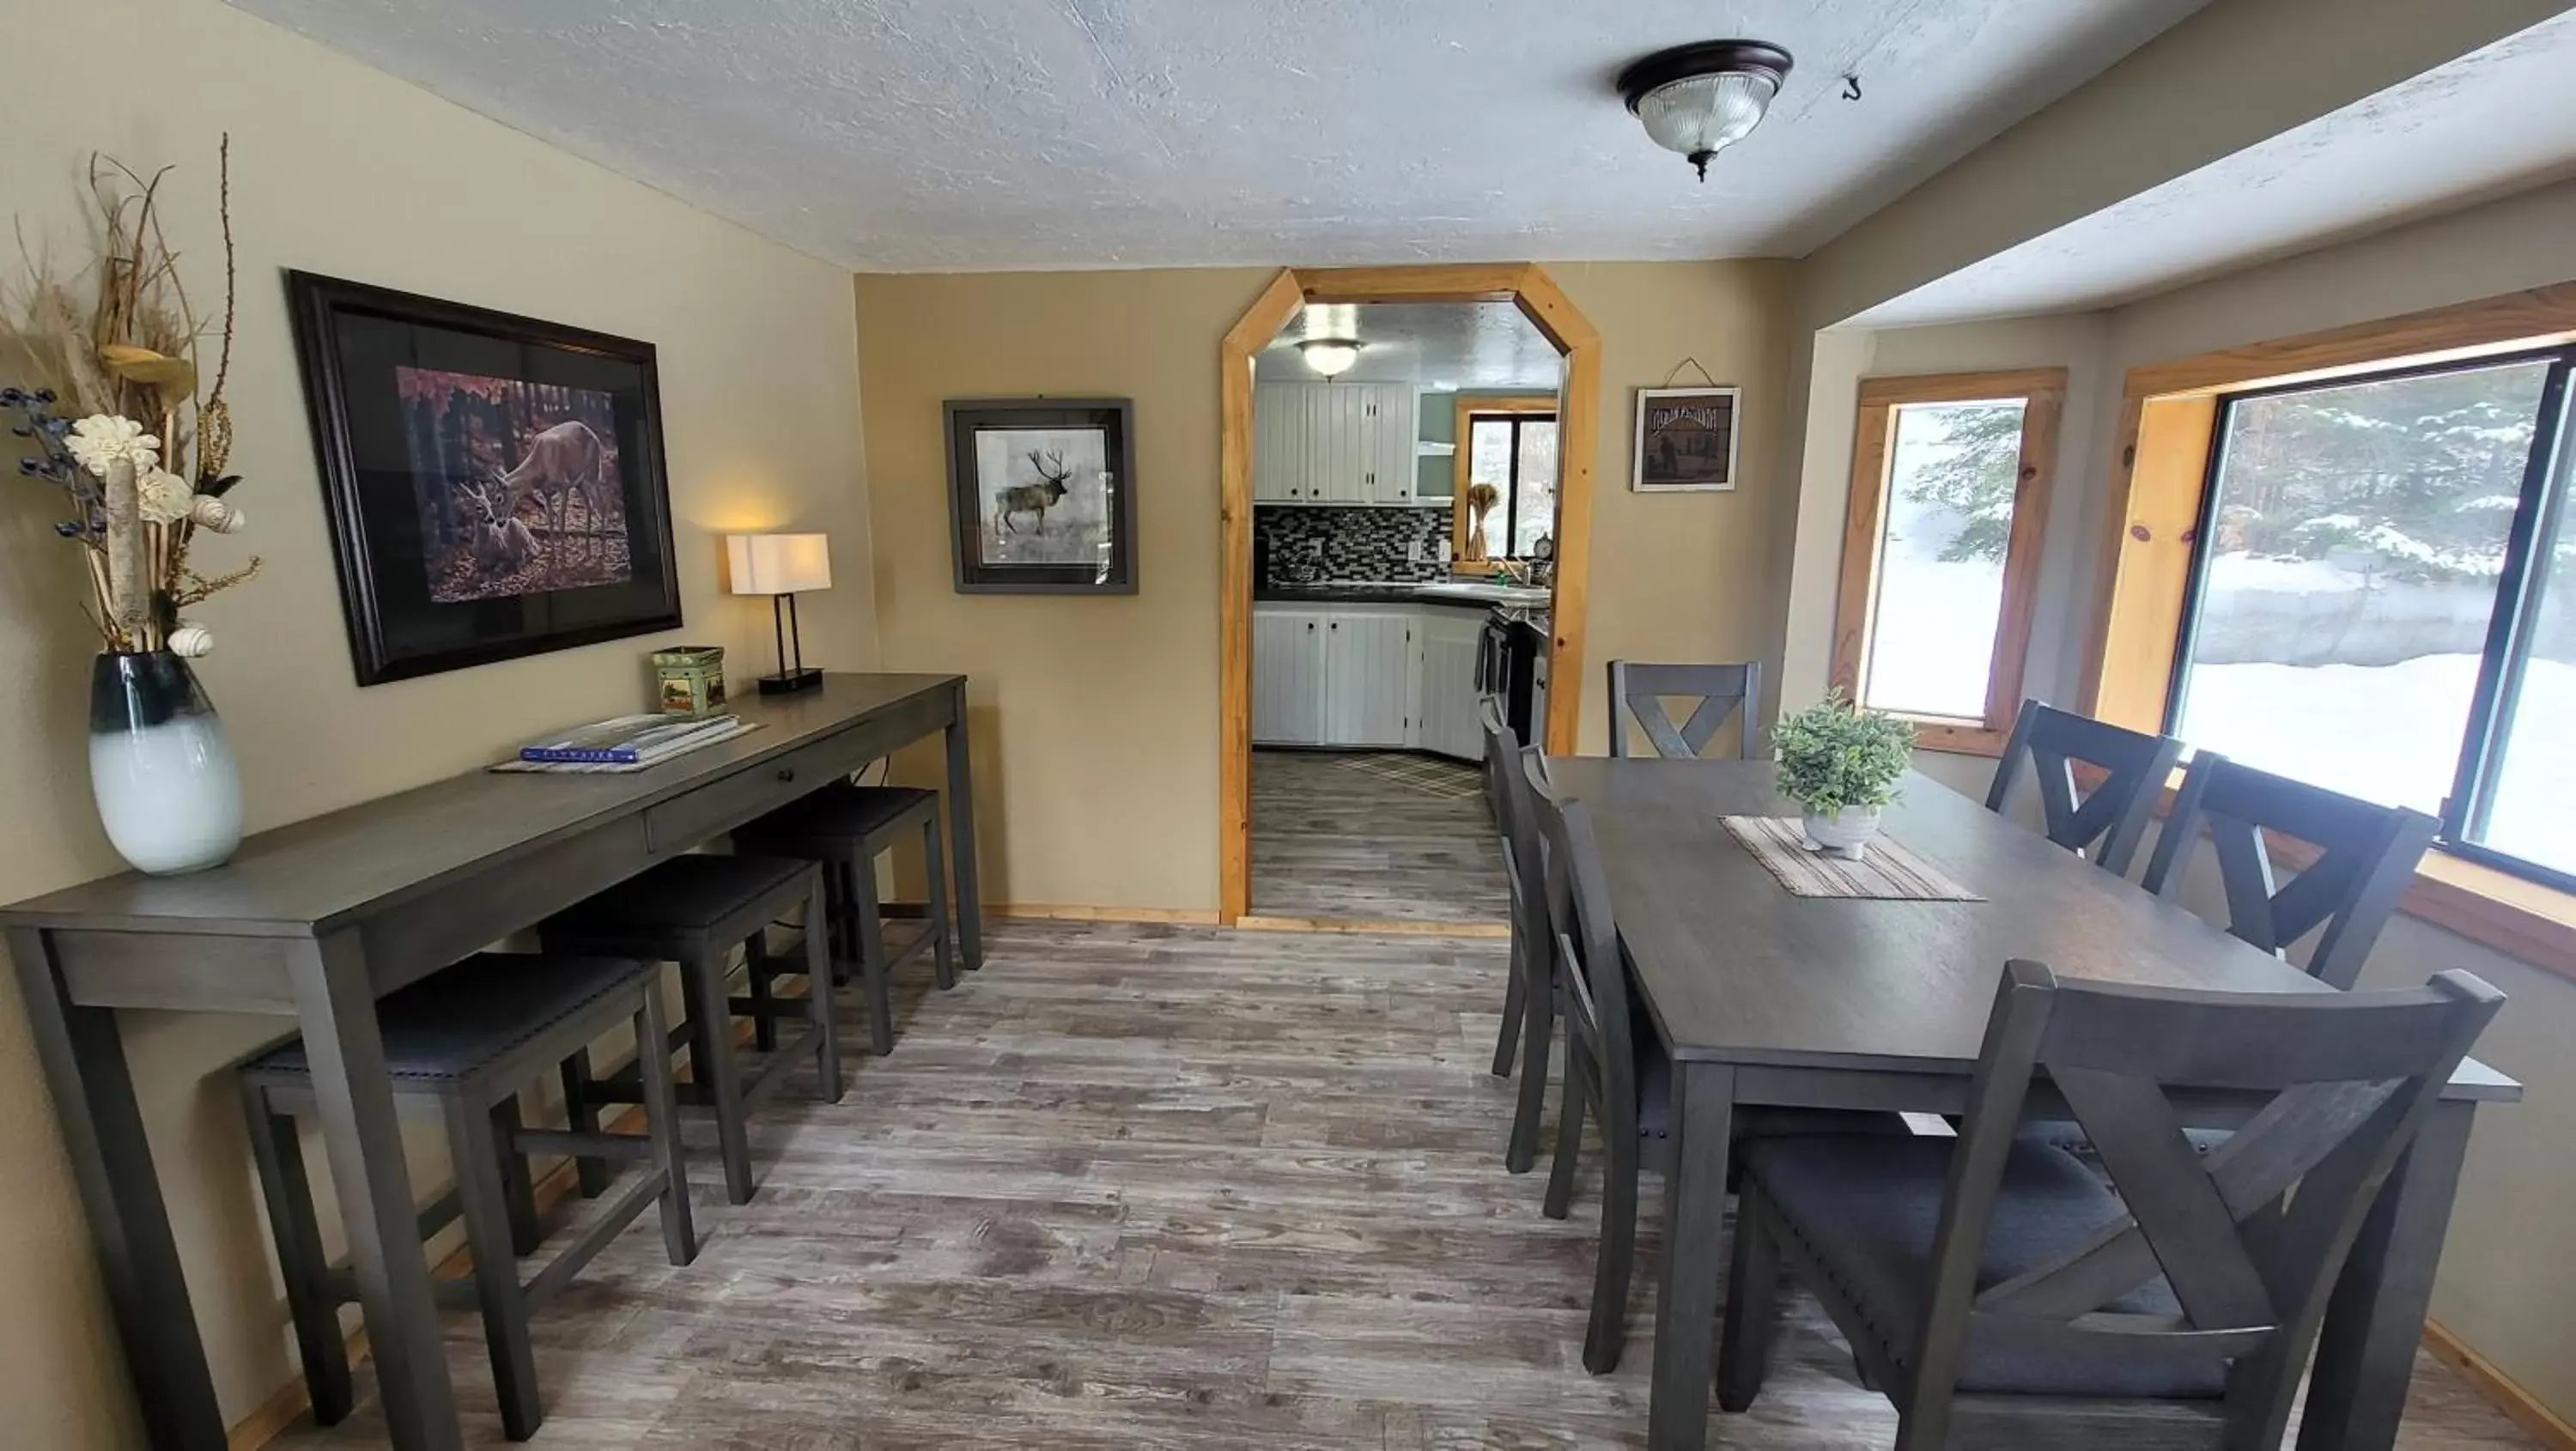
(453, 1022)
(839, 813)
(685, 893)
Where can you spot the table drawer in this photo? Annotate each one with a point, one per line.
(728, 801)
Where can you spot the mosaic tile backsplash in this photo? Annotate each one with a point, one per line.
(1304, 543)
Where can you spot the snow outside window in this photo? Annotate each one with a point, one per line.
(1940, 579)
(2385, 603)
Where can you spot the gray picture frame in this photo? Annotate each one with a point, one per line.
(986, 521)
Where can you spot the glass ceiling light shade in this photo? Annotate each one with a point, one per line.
(1330, 357)
(1700, 99)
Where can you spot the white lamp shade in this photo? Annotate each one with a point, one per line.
(778, 564)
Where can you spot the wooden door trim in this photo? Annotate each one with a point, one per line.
(1529, 287)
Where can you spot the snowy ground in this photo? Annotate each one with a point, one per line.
(2391, 733)
(1932, 638)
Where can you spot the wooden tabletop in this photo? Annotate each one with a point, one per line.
(311, 873)
(1735, 968)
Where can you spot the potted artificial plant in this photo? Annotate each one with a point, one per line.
(1841, 764)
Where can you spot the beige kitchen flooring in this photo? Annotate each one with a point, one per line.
(1339, 836)
(1155, 1187)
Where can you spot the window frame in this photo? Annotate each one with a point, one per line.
(1470, 407)
(2539, 508)
(2042, 393)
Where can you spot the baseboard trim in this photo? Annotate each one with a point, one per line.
(2507, 1395)
(1074, 912)
(1259, 923)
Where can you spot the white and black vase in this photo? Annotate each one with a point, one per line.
(160, 768)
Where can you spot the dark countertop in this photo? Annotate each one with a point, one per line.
(1422, 592)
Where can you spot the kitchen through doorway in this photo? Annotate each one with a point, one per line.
(1405, 469)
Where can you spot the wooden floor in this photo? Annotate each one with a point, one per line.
(1333, 841)
(1153, 1187)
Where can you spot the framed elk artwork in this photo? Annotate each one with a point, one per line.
(1041, 497)
(495, 484)
(1685, 440)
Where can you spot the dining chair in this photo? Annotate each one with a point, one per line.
(1529, 995)
(2004, 1296)
(1716, 692)
(1616, 1066)
(2365, 854)
(2106, 824)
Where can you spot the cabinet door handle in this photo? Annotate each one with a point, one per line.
(786, 773)
(1337, 624)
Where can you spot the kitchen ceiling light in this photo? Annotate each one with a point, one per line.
(1700, 99)
(1331, 357)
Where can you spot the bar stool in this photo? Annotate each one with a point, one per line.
(460, 1044)
(693, 910)
(844, 827)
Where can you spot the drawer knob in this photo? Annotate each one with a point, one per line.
(787, 773)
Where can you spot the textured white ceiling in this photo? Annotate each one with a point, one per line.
(2496, 120)
(972, 134)
(1448, 344)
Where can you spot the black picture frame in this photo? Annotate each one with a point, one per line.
(440, 567)
(1084, 473)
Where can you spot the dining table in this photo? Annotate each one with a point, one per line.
(311, 922)
(1764, 998)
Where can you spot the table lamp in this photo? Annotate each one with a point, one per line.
(781, 566)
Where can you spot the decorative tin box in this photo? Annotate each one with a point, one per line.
(691, 677)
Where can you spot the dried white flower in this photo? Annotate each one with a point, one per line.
(103, 439)
(214, 515)
(164, 497)
(192, 642)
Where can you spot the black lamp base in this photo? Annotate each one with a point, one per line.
(790, 678)
(791, 682)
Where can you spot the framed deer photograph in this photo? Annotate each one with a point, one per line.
(495, 484)
(1042, 499)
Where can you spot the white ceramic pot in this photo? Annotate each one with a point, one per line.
(1845, 833)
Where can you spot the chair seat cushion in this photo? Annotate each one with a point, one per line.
(1655, 1102)
(836, 816)
(685, 893)
(455, 1021)
(1867, 1209)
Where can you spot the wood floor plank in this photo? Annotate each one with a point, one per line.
(1333, 841)
(1163, 1187)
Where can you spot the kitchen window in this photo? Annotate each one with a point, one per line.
(1513, 452)
(2382, 598)
(1941, 545)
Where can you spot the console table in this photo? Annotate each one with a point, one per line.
(316, 920)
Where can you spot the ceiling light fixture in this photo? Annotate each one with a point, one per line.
(1700, 99)
(1331, 357)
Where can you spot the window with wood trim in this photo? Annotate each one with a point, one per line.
(2342, 557)
(1949, 497)
(1507, 445)
(2379, 601)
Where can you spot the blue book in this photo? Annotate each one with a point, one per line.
(620, 741)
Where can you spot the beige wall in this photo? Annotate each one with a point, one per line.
(1686, 576)
(2235, 73)
(339, 169)
(1095, 719)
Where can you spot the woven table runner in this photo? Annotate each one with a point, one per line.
(1887, 870)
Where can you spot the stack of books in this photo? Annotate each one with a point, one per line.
(625, 743)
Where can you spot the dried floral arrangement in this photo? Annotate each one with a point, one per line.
(142, 462)
(1481, 499)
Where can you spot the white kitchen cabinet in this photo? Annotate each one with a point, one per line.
(1447, 710)
(1288, 676)
(1333, 443)
(1367, 677)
